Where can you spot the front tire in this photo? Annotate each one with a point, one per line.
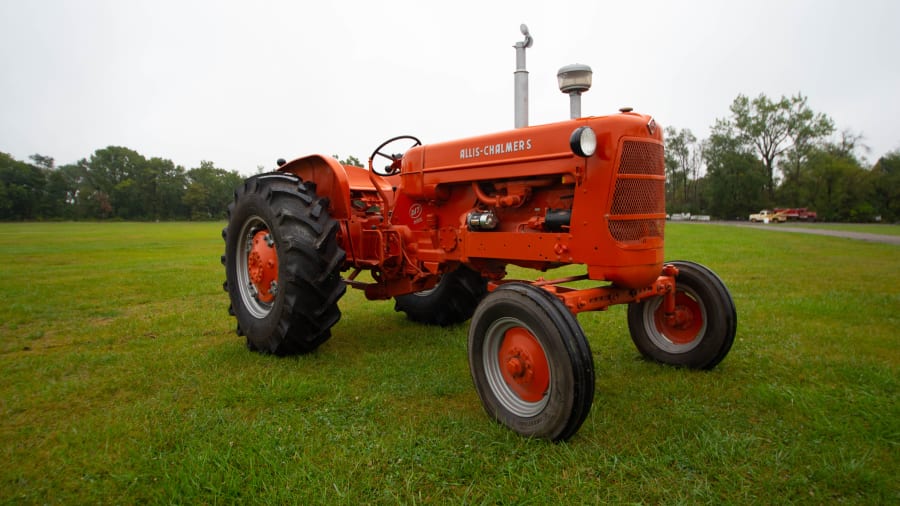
(452, 300)
(282, 264)
(530, 362)
(703, 331)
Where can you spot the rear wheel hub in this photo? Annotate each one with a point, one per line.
(262, 266)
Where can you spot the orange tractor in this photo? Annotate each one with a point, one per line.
(436, 229)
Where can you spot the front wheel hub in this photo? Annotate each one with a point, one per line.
(685, 324)
(524, 365)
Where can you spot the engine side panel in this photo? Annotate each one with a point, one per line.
(615, 198)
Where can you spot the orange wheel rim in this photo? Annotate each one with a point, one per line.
(262, 266)
(524, 365)
(687, 324)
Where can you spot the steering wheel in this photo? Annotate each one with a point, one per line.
(394, 167)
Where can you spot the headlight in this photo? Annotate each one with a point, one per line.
(583, 141)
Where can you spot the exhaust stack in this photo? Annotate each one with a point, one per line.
(521, 79)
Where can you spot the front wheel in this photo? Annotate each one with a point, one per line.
(530, 362)
(702, 329)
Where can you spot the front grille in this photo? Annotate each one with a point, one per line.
(633, 231)
(638, 196)
(639, 206)
(642, 158)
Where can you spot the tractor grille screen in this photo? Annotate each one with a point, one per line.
(638, 209)
(642, 158)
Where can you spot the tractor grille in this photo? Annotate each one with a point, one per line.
(638, 206)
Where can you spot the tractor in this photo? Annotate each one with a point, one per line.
(435, 228)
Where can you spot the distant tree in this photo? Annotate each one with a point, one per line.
(735, 179)
(22, 188)
(115, 182)
(56, 195)
(350, 160)
(776, 129)
(683, 163)
(43, 162)
(806, 132)
(80, 192)
(46, 204)
(163, 187)
(209, 191)
(114, 173)
(886, 186)
(840, 187)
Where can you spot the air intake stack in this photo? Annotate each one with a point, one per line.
(574, 79)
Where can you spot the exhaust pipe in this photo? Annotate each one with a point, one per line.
(521, 79)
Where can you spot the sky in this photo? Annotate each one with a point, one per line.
(242, 84)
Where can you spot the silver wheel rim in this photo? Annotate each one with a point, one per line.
(426, 293)
(659, 339)
(511, 401)
(256, 308)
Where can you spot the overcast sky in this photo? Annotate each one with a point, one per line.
(244, 83)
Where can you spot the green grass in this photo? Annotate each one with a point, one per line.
(123, 382)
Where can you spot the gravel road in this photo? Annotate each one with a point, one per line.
(780, 227)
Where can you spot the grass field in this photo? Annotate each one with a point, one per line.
(123, 382)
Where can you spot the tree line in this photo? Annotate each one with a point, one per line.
(778, 153)
(766, 153)
(114, 183)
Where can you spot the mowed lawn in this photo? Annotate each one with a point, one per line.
(122, 381)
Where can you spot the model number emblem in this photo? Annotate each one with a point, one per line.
(415, 212)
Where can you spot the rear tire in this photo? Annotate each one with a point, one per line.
(285, 303)
(707, 321)
(531, 363)
(453, 300)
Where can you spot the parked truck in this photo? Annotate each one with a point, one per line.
(767, 216)
(436, 225)
(796, 214)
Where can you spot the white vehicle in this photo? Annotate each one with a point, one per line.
(766, 216)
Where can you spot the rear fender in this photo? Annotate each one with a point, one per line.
(334, 180)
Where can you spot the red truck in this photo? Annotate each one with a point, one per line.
(797, 213)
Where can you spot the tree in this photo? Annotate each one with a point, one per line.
(21, 189)
(886, 186)
(57, 204)
(806, 130)
(351, 160)
(209, 191)
(79, 191)
(114, 173)
(43, 162)
(735, 178)
(683, 163)
(786, 128)
(163, 186)
(46, 203)
(840, 187)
